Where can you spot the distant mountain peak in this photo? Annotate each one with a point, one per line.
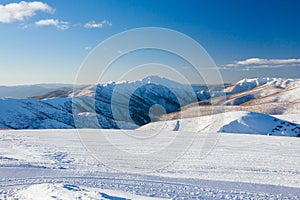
(250, 83)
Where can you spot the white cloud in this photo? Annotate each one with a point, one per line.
(23, 26)
(47, 22)
(22, 10)
(53, 22)
(94, 24)
(265, 63)
(88, 48)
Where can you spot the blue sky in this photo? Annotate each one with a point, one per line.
(47, 41)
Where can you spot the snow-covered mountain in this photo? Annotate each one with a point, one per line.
(230, 122)
(264, 95)
(263, 90)
(35, 114)
(114, 105)
(129, 105)
(249, 84)
(138, 102)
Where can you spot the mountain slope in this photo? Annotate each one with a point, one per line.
(138, 102)
(32, 114)
(251, 92)
(249, 84)
(270, 96)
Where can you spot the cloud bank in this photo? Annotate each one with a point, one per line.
(265, 63)
(20, 11)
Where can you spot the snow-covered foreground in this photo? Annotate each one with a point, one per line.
(54, 164)
(68, 191)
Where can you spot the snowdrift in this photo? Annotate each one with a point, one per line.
(231, 122)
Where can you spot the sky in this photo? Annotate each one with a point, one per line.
(47, 41)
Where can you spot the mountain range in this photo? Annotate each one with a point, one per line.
(111, 105)
(130, 105)
(26, 91)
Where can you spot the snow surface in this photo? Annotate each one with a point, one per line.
(231, 122)
(55, 164)
(67, 191)
(295, 118)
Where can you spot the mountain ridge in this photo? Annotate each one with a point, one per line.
(105, 103)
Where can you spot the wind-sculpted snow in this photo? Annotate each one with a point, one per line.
(257, 123)
(232, 122)
(69, 191)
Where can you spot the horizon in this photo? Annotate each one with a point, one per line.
(102, 83)
(47, 41)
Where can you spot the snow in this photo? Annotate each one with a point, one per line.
(249, 84)
(55, 164)
(67, 191)
(231, 122)
(290, 95)
(32, 114)
(295, 118)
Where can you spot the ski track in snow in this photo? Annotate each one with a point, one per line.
(52, 162)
